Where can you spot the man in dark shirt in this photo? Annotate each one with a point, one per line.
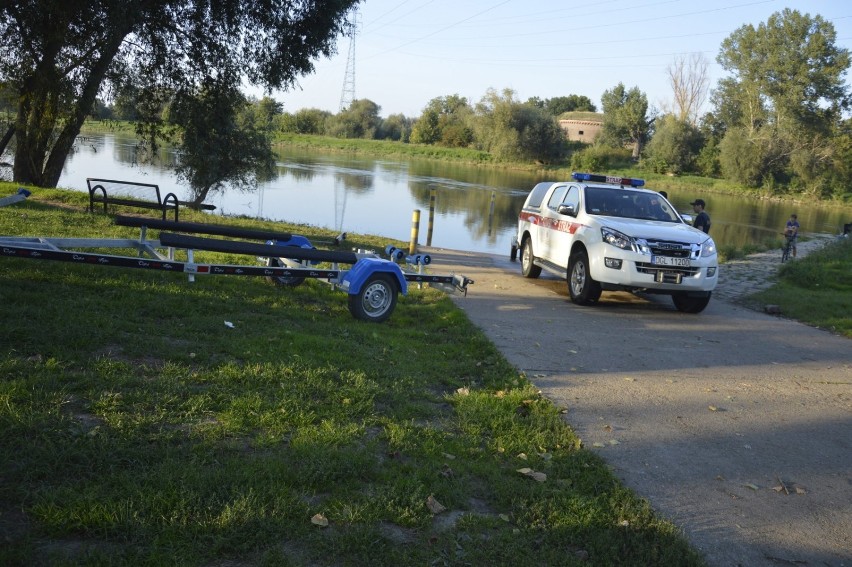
(702, 219)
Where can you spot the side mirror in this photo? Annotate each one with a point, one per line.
(569, 210)
(687, 218)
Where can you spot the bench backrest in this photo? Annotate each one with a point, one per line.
(125, 189)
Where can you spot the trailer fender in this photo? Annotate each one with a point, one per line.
(297, 241)
(364, 268)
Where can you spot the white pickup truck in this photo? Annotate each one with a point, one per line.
(609, 234)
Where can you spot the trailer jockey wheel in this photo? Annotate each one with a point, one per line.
(376, 300)
(282, 281)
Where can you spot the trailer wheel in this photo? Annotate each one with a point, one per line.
(282, 281)
(376, 300)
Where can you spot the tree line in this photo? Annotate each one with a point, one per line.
(777, 122)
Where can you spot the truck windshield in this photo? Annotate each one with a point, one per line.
(614, 202)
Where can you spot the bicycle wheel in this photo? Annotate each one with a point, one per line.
(785, 253)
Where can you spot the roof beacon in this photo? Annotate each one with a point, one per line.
(607, 179)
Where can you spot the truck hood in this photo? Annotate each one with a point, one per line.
(655, 230)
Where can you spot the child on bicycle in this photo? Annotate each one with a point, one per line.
(791, 231)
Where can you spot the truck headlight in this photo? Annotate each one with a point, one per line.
(617, 239)
(708, 248)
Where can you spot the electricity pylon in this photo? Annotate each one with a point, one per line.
(348, 94)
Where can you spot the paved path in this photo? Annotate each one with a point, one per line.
(736, 425)
(759, 271)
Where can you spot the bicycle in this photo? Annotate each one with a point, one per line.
(787, 248)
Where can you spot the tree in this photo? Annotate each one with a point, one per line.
(743, 158)
(793, 64)
(675, 145)
(513, 131)
(59, 55)
(360, 120)
(445, 121)
(304, 121)
(395, 127)
(690, 80)
(225, 139)
(625, 118)
(267, 109)
(784, 99)
(562, 104)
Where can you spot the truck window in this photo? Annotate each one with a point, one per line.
(556, 197)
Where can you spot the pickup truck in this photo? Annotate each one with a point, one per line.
(611, 234)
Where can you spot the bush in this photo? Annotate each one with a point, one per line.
(601, 158)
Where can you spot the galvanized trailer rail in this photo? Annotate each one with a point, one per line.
(372, 283)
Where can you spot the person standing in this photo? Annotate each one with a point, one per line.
(791, 231)
(702, 219)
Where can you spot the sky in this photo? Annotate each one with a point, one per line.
(408, 52)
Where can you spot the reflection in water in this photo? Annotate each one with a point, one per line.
(358, 194)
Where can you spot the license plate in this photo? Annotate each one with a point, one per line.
(669, 261)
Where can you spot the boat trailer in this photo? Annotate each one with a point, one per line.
(372, 282)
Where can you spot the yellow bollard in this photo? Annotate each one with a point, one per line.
(415, 231)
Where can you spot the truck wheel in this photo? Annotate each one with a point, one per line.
(690, 304)
(528, 268)
(376, 300)
(282, 281)
(583, 289)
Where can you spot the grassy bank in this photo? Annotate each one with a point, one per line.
(136, 427)
(385, 148)
(816, 290)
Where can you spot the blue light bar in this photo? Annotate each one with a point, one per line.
(607, 179)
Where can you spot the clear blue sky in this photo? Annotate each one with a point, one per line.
(408, 52)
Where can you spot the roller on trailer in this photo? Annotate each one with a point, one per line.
(16, 198)
(373, 284)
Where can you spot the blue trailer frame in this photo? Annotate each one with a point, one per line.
(372, 283)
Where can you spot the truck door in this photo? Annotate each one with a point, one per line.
(548, 234)
(566, 225)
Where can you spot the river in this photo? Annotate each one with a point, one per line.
(476, 208)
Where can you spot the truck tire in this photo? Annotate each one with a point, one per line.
(583, 289)
(528, 268)
(690, 304)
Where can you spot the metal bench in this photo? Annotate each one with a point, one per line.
(133, 194)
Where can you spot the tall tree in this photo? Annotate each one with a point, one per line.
(792, 62)
(785, 95)
(626, 118)
(689, 79)
(59, 55)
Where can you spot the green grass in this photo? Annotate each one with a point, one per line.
(385, 148)
(816, 289)
(136, 428)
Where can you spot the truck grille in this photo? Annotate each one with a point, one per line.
(672, 250)
(648, 268)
